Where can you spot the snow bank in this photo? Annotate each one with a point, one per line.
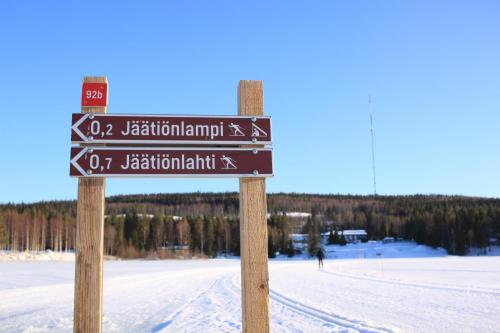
(36, 256)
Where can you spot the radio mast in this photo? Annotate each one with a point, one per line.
(373, 144)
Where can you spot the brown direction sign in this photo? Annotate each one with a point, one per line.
(170, 162)
(169, 129)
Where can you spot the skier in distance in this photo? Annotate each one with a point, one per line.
(320, 255)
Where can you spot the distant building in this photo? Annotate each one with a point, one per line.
(355, 236)
(351, 236)
(300, 241)
(388, 240)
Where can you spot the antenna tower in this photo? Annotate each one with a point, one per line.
(373, 145)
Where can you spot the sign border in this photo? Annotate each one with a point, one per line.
(74, 127)
(85, 149)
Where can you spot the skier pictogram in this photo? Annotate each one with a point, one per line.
(257, 131)
(229, 163)
(236, 130)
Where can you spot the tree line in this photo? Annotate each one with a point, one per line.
(207, 224)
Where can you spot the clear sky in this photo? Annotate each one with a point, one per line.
(432, 67)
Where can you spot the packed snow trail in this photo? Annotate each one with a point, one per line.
(348, 289)
(220, 306)
(443, 294)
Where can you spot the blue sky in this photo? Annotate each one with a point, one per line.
(432, 67)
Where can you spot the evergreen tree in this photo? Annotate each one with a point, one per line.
(131, 230)
(4, 235)
(392, 231)
(290, 250)
(314, 237)
(271, 250)
(155, 233)
(342, 240)
(210, 237)
(331, 237)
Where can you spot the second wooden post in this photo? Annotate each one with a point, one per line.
(89, 244)
(253, 228)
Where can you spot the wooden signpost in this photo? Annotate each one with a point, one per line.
(179, 146)
(89, 245)
(253, 228)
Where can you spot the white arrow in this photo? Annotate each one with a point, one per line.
(77, 130)
(75, 159)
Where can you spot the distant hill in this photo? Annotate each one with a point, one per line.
(207, 223)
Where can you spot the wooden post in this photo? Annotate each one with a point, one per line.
(253, 228)
(89, 244)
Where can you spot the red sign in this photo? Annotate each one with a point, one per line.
(170, 162)
(169, 129)
(94, 94)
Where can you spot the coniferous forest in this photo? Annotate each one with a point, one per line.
(206, 224)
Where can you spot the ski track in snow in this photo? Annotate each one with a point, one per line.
(216, 309)
(224, 316)
(170, 319)
(476, 290)
(344, 324)
(328, 321)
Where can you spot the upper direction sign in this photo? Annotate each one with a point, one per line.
(169, 129)
(94, 94)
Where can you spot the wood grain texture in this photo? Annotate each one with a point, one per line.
(89, 245)
(253, 228)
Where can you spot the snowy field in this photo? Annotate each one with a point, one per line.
(371, 288)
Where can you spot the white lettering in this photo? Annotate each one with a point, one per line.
(162, 162)
(165, 129)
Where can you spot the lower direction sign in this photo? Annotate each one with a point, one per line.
(170, 162)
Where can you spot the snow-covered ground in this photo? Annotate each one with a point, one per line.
(417, 290)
